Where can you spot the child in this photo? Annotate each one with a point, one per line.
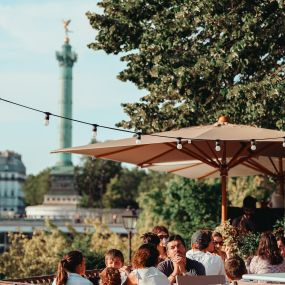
(235, 268)
(114, 258)
(110, 276)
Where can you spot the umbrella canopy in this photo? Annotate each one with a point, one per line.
(199, 170)
(222, 147)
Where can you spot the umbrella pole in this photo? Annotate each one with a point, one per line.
(224, 198)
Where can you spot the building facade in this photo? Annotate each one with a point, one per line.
(12, 178)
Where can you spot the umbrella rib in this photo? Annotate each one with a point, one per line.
(118, 151)
(208, 174)
(260, 167)
(273, 164)
(250, 155)
(183, 168)
(210, 161)
(142, 164)
(234, 158)
(214, 153)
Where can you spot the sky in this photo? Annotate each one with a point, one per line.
(31, 31)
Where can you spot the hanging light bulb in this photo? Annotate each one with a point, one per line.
(179, 144)
(283, 144)
(252, 145)
(218, 146)
(94, 132)
(139, 136)
(47, 118)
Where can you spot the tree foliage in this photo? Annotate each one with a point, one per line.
(123, 189)
(36, 186)
(183, 205)
(260, 187)
(40, 254)
(197, 59)
(92, 179)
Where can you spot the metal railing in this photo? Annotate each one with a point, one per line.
(44, 280)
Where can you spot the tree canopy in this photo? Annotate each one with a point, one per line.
(184, 205)
(197, 59)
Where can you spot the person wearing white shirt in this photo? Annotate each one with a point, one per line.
(70, 269)
(202, 245)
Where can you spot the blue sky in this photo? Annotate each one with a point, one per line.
(30, 33)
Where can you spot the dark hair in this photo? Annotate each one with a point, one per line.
(201, 239)
(176, 238)
(146, 256)
(150, 238)
(235, 268)
(110, 276)
(158, 229)
(249, 202)
(114, 253)
(268, 249)
(68, 263)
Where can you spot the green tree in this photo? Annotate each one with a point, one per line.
(92, 179)
(36, 186)
(197, 60)
(184, 205)
(260, 187)
(123, 189)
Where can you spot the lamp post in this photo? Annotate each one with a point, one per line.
(129, 222)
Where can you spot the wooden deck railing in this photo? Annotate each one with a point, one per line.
(43, 280)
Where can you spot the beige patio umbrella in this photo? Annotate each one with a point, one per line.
(222, 146)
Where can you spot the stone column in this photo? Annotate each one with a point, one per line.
(66, 58)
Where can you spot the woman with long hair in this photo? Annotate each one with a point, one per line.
(145, 272)
(163, 235)
(70, 268)
(268, 258)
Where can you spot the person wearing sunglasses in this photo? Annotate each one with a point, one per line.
(202, 246)
(218, 245)
(163, 235)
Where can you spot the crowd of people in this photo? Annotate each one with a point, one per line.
(162, 257)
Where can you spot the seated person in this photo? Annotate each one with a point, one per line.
(218, 244)
(246, 222)
(268, 258)
(281, 243)
(235, 268)
(153, 239)
(144, 263)
(163, 235)
(115, 258)
(110, 276)
(202, 246)
(70, 269)
(177, 263)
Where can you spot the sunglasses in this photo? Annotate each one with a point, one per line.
(218, 242)
(163, 236)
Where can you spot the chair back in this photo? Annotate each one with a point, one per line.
(200, 279)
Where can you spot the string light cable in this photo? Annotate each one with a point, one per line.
(137, 134)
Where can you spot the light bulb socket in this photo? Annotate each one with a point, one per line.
(252, 145)
(179, 144)
(94, 131)
(47, 115)
(217, 146)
